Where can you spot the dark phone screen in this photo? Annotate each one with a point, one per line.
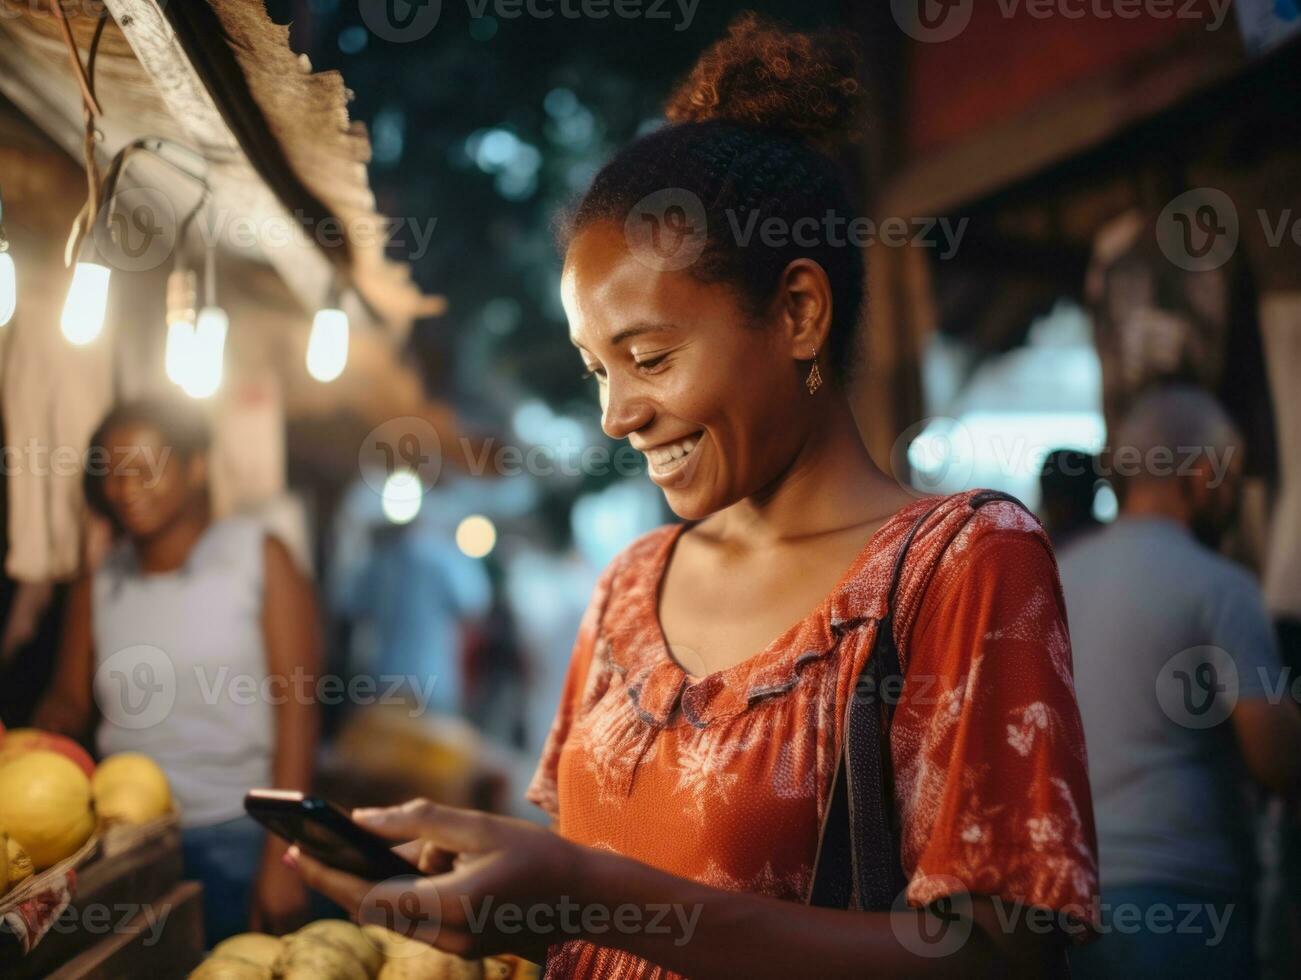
(311, 827)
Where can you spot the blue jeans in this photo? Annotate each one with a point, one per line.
(1157, 931)
(225, 858)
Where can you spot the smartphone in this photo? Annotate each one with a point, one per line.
(325, 832)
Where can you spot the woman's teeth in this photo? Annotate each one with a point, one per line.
(667, 457)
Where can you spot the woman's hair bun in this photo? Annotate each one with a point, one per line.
(765, 76)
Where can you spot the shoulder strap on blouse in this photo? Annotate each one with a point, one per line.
(858, 864)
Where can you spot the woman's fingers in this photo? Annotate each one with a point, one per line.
(347, 890)
(451, 828)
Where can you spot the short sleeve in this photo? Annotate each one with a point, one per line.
(1240, 626)
(988, 748)
(543, 790)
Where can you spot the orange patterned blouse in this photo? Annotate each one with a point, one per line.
(725, 779)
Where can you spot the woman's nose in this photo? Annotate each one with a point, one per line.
(624, 411)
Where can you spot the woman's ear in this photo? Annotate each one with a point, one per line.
(804, 307)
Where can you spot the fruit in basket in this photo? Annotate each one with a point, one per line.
(20, 740)
(130, 787)
(348, 936)
(45, 805)
(253, 947)
(4, 862)
(410, 959)
(20, 863)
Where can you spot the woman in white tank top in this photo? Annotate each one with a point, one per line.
(184, 645)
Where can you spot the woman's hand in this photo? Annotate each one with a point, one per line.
(492, 884)
(279, 899)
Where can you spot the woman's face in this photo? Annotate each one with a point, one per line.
(714, 402)
(148, 483)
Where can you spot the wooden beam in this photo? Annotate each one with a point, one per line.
(1064, 125)
(306, 270)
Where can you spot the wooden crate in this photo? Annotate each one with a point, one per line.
(140, 949)
(133, 876)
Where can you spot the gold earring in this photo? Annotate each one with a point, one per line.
(814, 381)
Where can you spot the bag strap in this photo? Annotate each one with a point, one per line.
(858, 862)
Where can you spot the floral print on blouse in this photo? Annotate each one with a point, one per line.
(725, 779)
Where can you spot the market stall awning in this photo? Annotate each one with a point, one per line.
(278, 147)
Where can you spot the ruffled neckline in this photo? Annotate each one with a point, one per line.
(636, 647)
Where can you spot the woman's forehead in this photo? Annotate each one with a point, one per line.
(607, 292)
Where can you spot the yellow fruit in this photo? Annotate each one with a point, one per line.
(254, 947)
(4, 862)
(315, 958)
(20, 863)
(130, 787)
(410, 959)
(347, 936)
(229, 968)
(45, 805)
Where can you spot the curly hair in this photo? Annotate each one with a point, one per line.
(752, 130)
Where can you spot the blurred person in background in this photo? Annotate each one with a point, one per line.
(418, 593)
(691, 761)
(494, 666)
(1175, 661)
(221, 603)
(1067, 484)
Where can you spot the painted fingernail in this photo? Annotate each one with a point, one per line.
(290, 858)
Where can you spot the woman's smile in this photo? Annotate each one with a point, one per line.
(672, 465)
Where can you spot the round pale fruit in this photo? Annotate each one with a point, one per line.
(45, 805)
(229, 968)
(349, 936)
(130, 787)
(26, 739)
(316, 958)
(253, 947)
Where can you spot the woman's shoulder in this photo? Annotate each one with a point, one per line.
(972, 537)
(959, 522)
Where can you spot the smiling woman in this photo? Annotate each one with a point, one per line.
(164, 639)
(716, 683)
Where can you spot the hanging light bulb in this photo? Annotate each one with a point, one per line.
(87, 302)
(182, 290)
(208, 346)
(8, 282)
(207, 350)
(8, 275)
(327, 347)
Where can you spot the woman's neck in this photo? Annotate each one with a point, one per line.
(169, 548)
(832, 485)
